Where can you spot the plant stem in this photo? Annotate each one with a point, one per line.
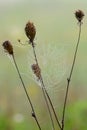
(48, 108)
(69, 79)
(33, 112)
(45, 91)
(51, 104)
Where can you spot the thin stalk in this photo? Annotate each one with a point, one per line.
(44, 94)
(44, 89)
(28, 97)
(48, 108)
(51, 104)
(69, 79)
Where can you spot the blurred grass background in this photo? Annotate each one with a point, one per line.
(57, 31)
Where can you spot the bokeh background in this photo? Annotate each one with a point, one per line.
(57, 32)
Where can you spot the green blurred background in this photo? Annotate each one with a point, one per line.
(57, 31)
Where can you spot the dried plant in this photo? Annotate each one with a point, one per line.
(30, 32)
(9, 49)
(79, 16)
(36, 70)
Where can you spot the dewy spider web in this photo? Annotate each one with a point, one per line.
(52, 59)
(53, 62)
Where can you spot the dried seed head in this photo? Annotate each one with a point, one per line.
(79, 15)
(30, 31)
(8, 47)
(36, 70)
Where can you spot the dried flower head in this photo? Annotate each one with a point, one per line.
(8, 47)
(36, 70)
(79, 15)
(30, 31)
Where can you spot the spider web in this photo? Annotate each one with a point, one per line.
(52, 60)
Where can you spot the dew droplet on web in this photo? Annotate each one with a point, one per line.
(52, 59)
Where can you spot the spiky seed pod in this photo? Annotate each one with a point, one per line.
(8, 47)
(30, 31)
(36, 70)
(79, 15)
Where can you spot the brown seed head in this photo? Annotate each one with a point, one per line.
(79, 15)
(36, 70)
(8, 47)
(30, 31)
